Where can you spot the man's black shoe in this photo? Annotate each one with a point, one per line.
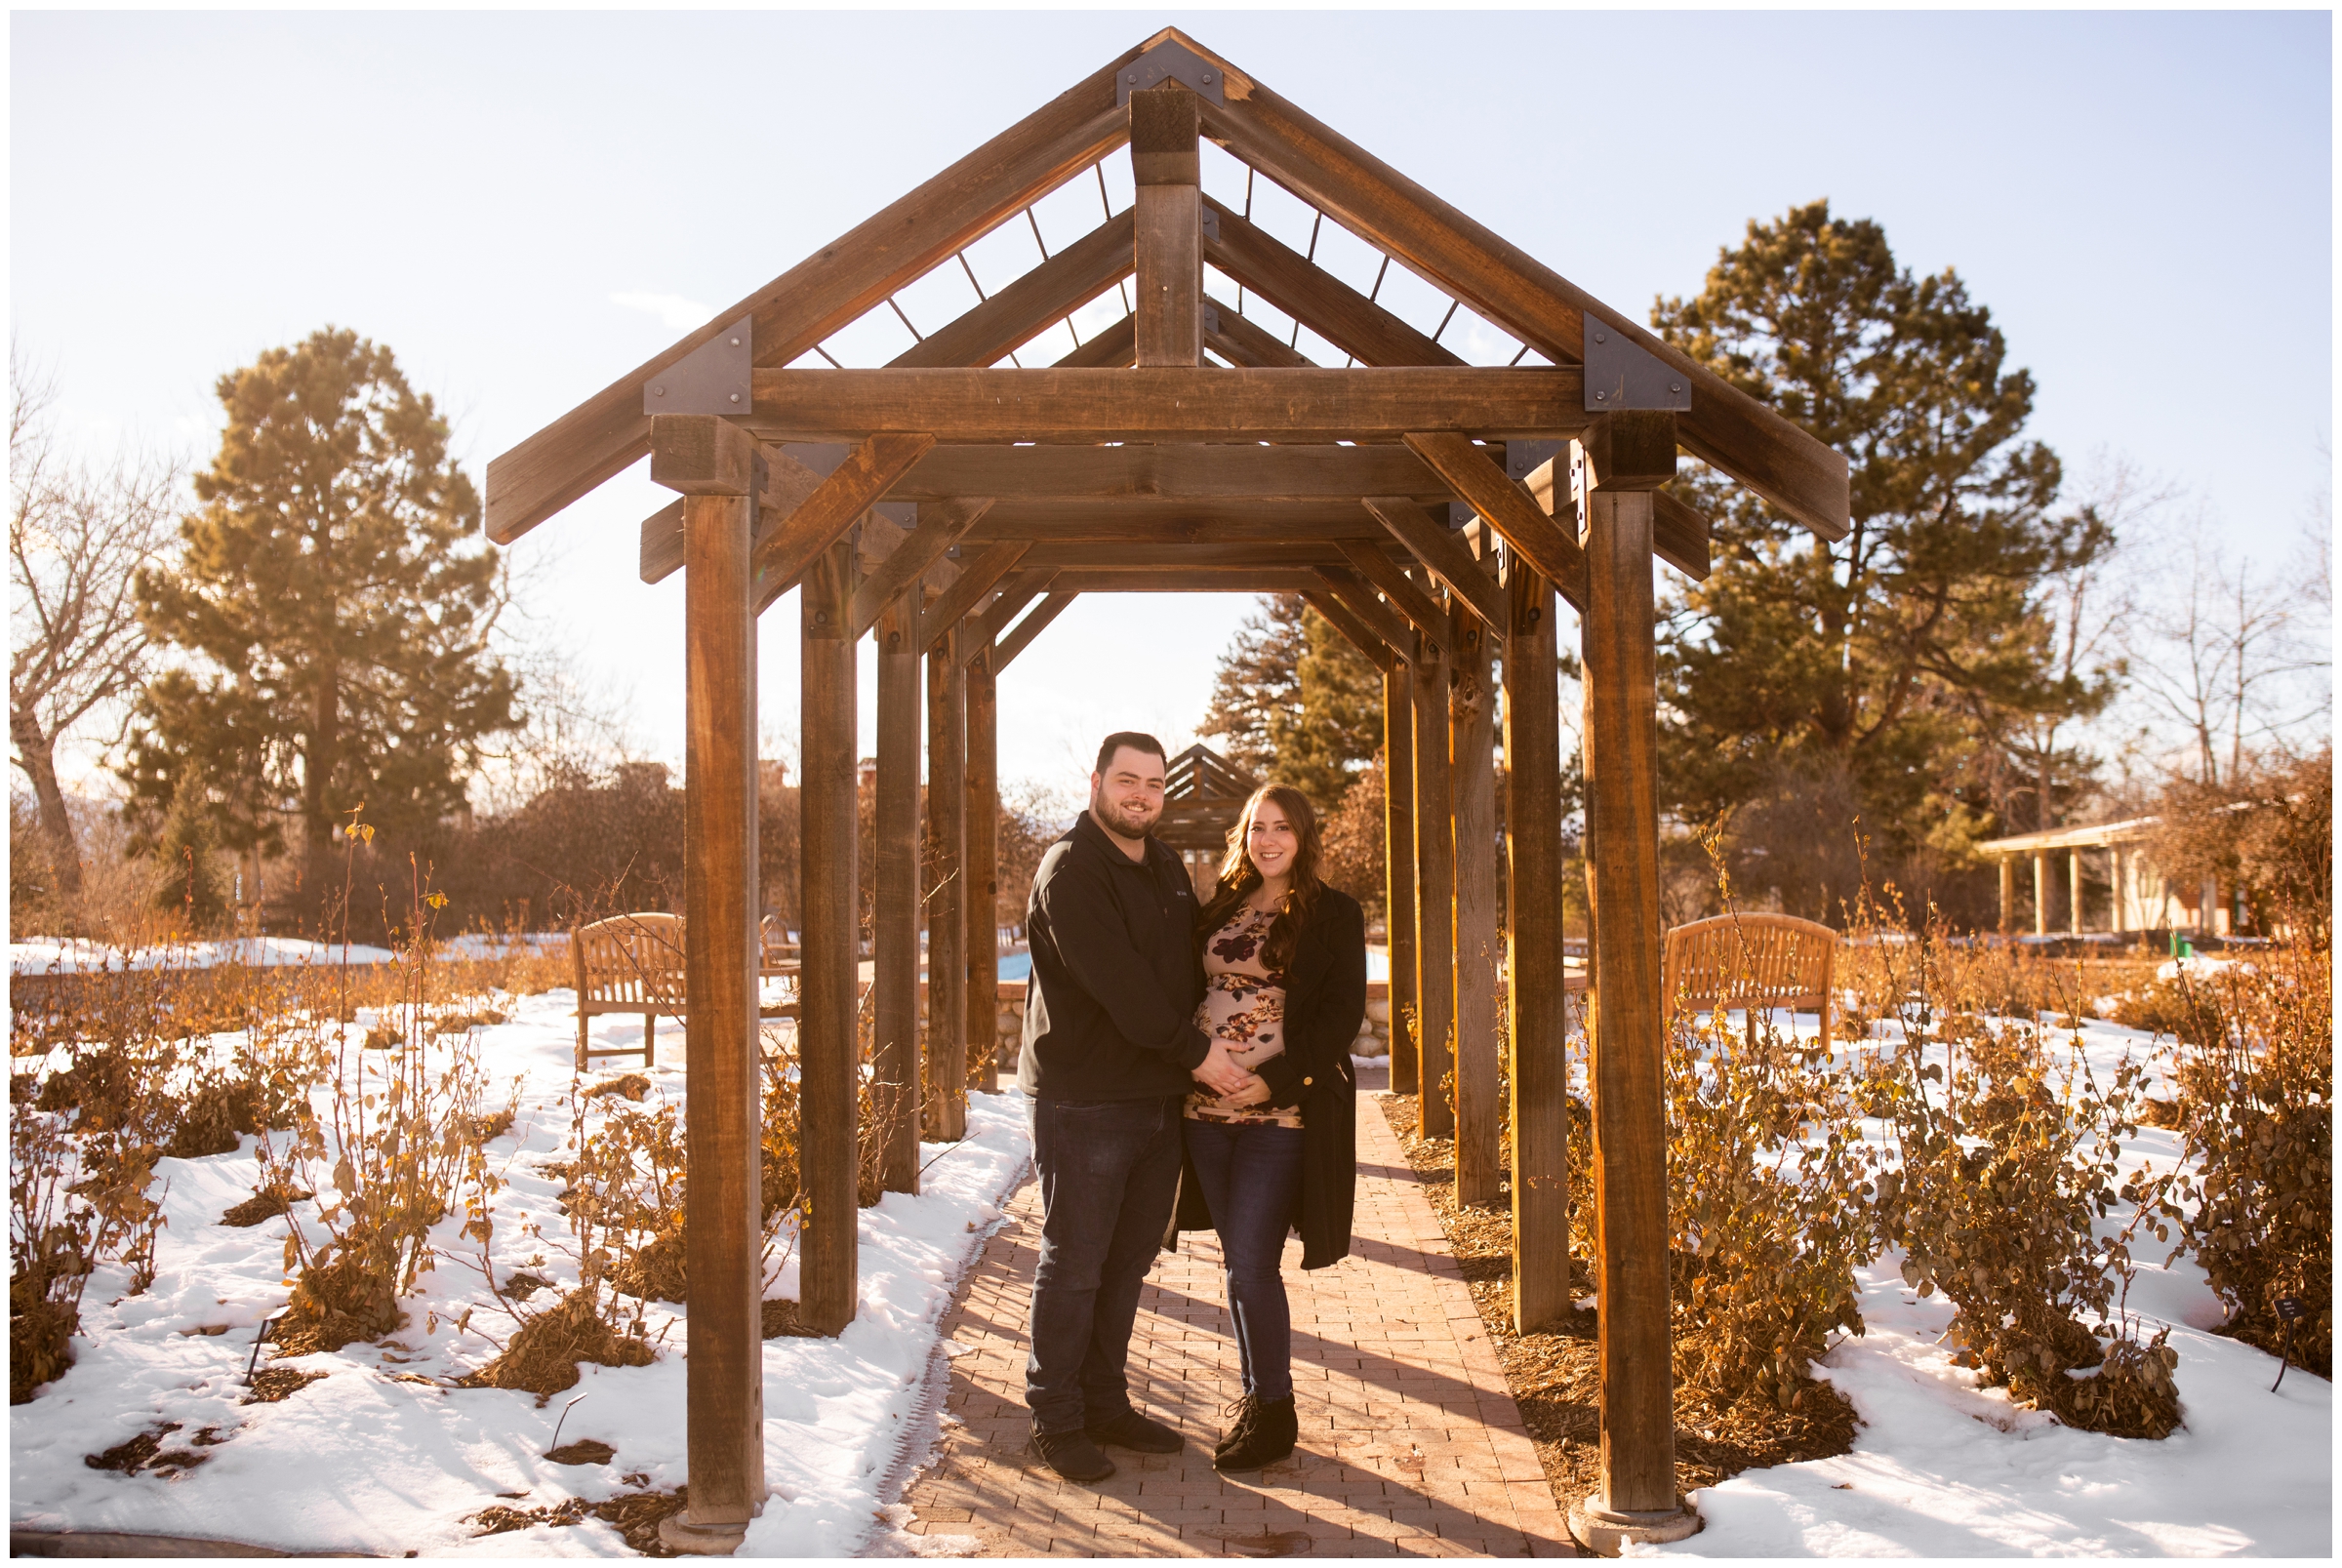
(1074, 1455)
(1270, 1438)
(1132, 1430)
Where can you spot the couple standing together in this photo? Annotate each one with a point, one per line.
(1186, 1068)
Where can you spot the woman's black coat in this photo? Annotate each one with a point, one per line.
(1325, 1001)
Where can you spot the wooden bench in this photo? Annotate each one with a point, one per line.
(1755, 962)
(629, 963)
(633, 963)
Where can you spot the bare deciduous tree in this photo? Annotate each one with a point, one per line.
(78, 533)
(2231, 656)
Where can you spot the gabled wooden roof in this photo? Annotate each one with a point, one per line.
(795, 313)
(1200, 773)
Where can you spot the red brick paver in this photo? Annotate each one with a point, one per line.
(1411, 1445)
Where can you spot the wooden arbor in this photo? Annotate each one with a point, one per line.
(1431, 509)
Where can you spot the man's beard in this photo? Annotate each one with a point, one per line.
(1113, 821)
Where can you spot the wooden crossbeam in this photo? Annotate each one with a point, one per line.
(1126, 556)
(1725, 426)
(787, 482)
(1020, 636)
(1040, 298)
(978, 575)
(853, 487)
(1241, 341)
(1166, 403)
(1018, 474)
(940, 528)
(1356, 631)
(1492, 493)
(1448, 557)
(1327, 305)
(1357, 595)
(1194, 523)
(1246, 580)
(607, 432)
(1406, 596)
(983, 628)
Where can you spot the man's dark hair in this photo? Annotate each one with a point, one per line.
(1133, 739)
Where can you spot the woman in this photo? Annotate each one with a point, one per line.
(1285, 958)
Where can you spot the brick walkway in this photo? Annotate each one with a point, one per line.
(1411, 1445)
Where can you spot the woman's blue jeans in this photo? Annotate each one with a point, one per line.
(1251, 1180)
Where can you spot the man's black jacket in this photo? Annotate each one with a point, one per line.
(1110, 1011)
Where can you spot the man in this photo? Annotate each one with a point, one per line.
(1110, 1050)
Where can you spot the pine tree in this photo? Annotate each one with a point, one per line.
(1890, 664)
(337, 625)
(1295, 702)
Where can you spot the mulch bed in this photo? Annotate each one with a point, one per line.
(1555, 1375)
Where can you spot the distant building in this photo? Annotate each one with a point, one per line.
(2099, 878)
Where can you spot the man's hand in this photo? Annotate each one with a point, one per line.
(1219, 1072)
(1254, 1093)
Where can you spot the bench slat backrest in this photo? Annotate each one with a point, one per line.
(1756, 961)
(631, 963)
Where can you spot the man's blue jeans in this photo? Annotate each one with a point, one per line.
(1109, 1174)
(1251, 1178)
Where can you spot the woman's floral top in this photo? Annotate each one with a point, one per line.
(1244, 1010)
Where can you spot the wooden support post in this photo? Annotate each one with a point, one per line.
(2041, 892)
(1637, 1496)
(2008, 892)
(1434, 895)
(947, 1098)
(1472, 749)
(1536, 1003)
(2073, 901)
(725, 1382)
(982, 873)
(1398, 868)
(1168, 240)
(828, 1054)
(894, 912)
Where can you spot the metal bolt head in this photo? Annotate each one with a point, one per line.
(1207, 77)
(820, 618)
(1674, 386)
(735, 397)
(1600, 396)
(1601, 336)
(658, 392)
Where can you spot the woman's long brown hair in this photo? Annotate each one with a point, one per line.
(1238, 877)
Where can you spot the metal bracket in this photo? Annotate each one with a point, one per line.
(1622, 373)
(713, 378)
(1524, 458)
(1210, 222)
(1169, 62)
(821, 457)
(903, 514)
(1211, 320)
(1458, 514)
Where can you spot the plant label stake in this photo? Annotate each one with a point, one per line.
(2290, 1311)
(258, 1339)
(554, 1446)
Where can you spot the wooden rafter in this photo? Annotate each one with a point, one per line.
(1320, 301)
(1445, 555)
(1156, 474)
(941, 527)
(1228, 332)
(1489, 491)
(1039, 300)
(1245, 580)
(1725, 426)
(1357, 596)
(1354, 629)
(1406, 595)
(978, 576)
(782, 555)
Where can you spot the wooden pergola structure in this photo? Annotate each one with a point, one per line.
(1431, 509)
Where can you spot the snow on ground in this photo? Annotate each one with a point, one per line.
(74, 955)
(1943, 1468)
(380, 1458)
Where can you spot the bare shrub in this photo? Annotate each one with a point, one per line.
(1768, 1206)
(2005, 1161)
(2257, 1117)
(543, 1358)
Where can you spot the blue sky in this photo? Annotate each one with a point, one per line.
(526, 205)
